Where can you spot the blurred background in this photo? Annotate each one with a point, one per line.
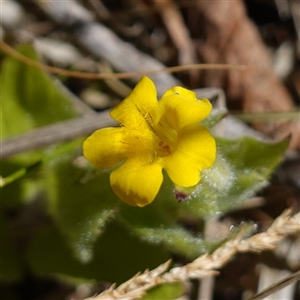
(258, 40)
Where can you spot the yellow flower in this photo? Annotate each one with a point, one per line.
(154, 135)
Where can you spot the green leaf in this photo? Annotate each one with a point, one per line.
(157, 224)
(176, 239)
(167, 291)
(80, 198)
(241, 169)
(29, 97)
(118, 255)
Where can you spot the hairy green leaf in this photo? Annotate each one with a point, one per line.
(79, 198)
(242, 168)
(118, 255)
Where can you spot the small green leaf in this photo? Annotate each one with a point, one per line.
(17, 175)
(176, 240)
(241, 169)
(215, 117)
(25, 188)
(267, 116)
(167, 291)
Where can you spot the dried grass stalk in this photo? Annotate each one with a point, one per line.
(206, 264)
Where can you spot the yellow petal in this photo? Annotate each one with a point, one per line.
(181, 107)
(195, 149)
(104, 148)
(137, 183)
(139, 107)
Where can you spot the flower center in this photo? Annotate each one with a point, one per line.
(167, 137)
(163, 149)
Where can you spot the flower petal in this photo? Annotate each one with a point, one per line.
(139, 106)
(104, 147)
(181, 107)
(195, 149)
(137, 183)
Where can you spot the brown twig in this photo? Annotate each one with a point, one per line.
(179, 34)
(84, 75)
(51, 134)
(120, 55)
